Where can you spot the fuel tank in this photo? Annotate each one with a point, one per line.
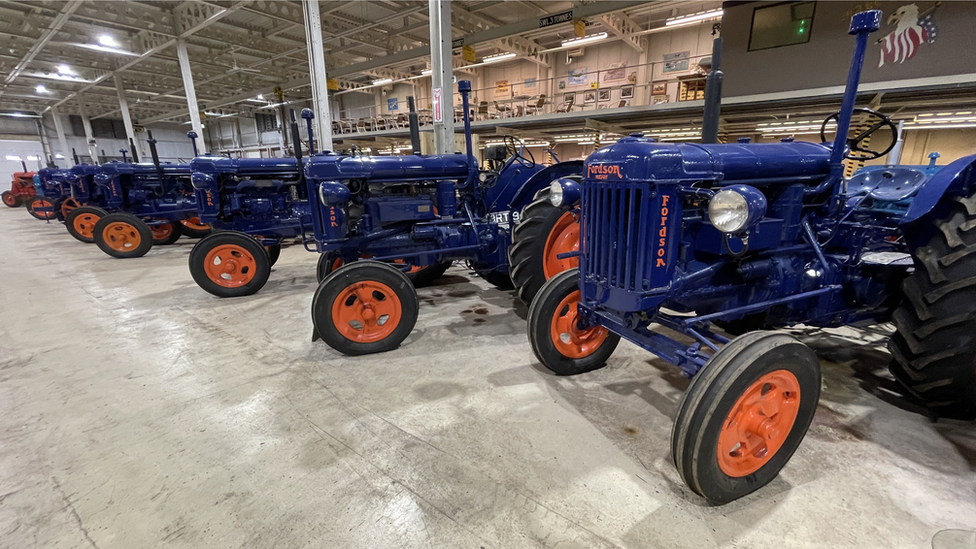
(387, 168)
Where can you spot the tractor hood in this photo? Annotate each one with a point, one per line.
(211, 164)
(128, 168)
(387, 168)
(637, 158)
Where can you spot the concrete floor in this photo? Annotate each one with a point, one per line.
(138, 411)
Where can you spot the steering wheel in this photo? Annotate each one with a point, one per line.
(854, 143)
(515, 147)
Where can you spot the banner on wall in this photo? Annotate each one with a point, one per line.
(577, 77)
(677, 61)
(501, 87)
(468, 53)
(392, 104)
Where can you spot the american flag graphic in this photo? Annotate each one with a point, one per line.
(911, 31)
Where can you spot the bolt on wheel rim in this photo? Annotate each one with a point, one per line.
(563, 238)
(121, 237)
(366, 311)
(230, 266)
(758, 423)
(85, 224)
(567, 337)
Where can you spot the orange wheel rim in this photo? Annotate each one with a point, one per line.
(84, 224)
(566, 335)
(121, 236)
(68, 206)
(563, 238)
(758, 424)
(367, 311)
(9, 199)
(194, 223)
(230, 265)
(413, 268)
(337, 263)
(161, 232)
(43, 207)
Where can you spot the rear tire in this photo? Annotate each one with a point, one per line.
(499, 279)
(543, 232)
(123, 236)
(934, 348)
(274, 252)
(41, 208)
(81, 222)
(427, 275)
(193, 228)
(745, 414)
(229, 264)
(556, 338)
(365, 307)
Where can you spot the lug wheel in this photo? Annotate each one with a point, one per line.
(560, 338)
(164, 234)
(10, 200)
(229, 264)
(543, 233)
(81, 222)
(68, 205)
(41, 207)
(194, 228)
(365, 307)
(123, 236)
(745, 414)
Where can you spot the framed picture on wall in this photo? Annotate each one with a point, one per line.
(626, 92)
(604, 95)
(659, 88)
(589, 97)
(569, 98)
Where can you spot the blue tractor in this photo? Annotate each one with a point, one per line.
(677, 239)
(51, 188)
(411, 212)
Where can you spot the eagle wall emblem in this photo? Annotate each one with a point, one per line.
(912, 29)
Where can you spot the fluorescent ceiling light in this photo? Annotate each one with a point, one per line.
(498, 57)
(584, 40)
(107, 49)
(59, 76)
(59, 155)
(427, 72)
(33, 157)
(18, 115)
(41, 89)
(693, 18)
(107, 41)
(65, 69)
(13, 158)
(382, 81)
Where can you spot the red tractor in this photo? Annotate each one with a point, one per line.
(21, 189)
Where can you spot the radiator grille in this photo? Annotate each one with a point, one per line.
(617, 221)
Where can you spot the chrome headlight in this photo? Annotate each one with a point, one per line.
(556, 194)
(736, 208)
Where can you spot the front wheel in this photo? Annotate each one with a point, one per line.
(193, 228)
(81, 222)
(10, 200)
(123, 236)
(562, 340)
(41, 207)
(744, 415)
(365, 307)
(166, 233)
(229, 264)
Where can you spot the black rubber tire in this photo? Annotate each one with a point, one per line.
(84, 215)
(499, 280)
(249, 245)
(362, 271)
(274, 252)
(190, 232)
(706, 405)
(136, 226)
(58, 202)
(934, 348)
(527, 253)
(324, 266)
(541, 314)
(47, 215)
(10, 200)
(427, 275)
(174, 235)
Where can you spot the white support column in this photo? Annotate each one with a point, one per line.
(62, 140)
(320, 87)
(191, 94)
(442, 75)
(89, 136)
(126, 119)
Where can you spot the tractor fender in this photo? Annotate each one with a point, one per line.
(956, 178)
(542, 179)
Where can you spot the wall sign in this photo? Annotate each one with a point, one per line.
(457, 43)
(392, 104)
(555, 19)
(912, 29)
(677, 61)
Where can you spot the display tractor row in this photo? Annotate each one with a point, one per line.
(678, 240)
